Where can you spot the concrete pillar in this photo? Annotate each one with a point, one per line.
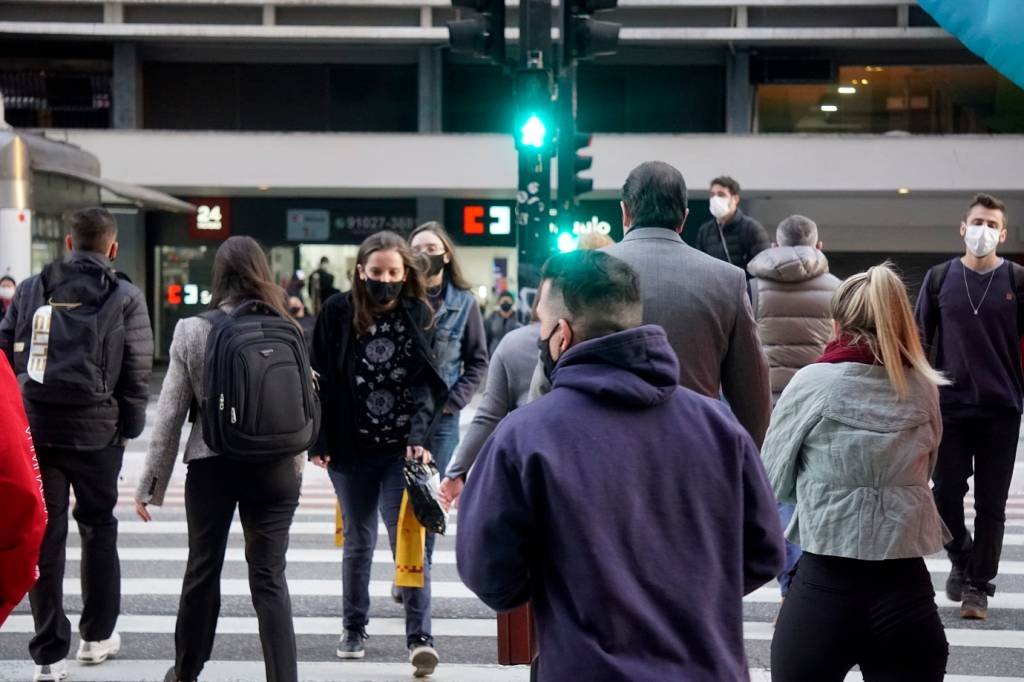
(430, 63)
(127, 86)
(739, 93)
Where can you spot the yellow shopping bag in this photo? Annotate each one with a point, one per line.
(339, 526)
(410, 547)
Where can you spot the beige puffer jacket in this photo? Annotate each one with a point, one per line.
(791, 292)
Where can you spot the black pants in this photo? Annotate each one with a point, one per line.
(987, 447)
(880, 615)
(267, 496)
(93, 475)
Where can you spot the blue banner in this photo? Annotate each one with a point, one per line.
(992, 29)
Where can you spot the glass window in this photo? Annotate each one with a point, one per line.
(53, 97)
(939, 99)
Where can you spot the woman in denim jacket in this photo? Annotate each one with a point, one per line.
(459, 343)
(852, 442)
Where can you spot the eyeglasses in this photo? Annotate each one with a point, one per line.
(429, 249)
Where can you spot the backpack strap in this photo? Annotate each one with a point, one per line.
(1017, 285)
(214, 317)
(933, 285)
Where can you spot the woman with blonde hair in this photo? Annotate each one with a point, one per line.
(852, 443)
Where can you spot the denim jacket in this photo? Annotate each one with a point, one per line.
(459, 346)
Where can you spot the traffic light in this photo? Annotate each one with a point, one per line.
(583, 36)
(482, 35)
(571, 163)
(535, 127)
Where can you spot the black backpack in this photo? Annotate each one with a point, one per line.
(76, 335)
(260, 403)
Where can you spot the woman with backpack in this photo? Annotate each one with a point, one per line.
(852, 443)
(266, 493)
(381, 395)
(460, 343)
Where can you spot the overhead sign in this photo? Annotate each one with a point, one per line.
(481, 223)
(212, 219)
(308, 225)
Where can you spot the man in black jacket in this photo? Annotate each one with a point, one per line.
(79, 339)
(730, 235)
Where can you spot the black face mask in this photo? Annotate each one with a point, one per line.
(383, 293)
(546, 360)
(505, 306)
(435, 263)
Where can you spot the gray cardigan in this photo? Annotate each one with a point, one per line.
(183, 381)
(702, 304)
(856, 460)
(507, 387)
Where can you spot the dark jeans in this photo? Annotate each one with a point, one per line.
(786, 512)
(987, 447)
(93, 475)
(880, 615)
(373, 482)
(266, 495)
(444, 441)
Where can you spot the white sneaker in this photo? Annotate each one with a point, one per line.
(94, 653)
(424, 659)
(51, 673)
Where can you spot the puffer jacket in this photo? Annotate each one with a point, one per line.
(856, 460)
(790, 293)
(90, 426)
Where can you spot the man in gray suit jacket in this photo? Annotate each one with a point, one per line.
(700, 301)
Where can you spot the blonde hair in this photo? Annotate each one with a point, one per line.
(872, 308)
(592, 241)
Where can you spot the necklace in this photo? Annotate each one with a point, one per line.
(970, 301)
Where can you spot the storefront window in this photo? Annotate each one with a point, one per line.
(955, 99)
(183, 281)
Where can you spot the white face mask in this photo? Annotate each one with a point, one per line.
(6, 293)
(981, 240)
(720, 207)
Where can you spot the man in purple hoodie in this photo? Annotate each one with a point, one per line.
(593, 500)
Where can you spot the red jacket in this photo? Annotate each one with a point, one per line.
(24, 513)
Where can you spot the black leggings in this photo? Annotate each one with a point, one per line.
(880, 615)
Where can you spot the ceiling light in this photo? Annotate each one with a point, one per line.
(903, 190)
(829, 108)
(264, 188)
(863, 81)
(847, 90)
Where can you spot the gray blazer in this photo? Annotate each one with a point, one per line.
(702, 304)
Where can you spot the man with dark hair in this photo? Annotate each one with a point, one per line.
(79, 339)
(701, 302)
(730, 235)
(970, 312)
(594, 501)
(321, 285)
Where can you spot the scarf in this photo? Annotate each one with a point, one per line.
(842, 349)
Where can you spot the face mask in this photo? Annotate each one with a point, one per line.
(720, 207)
(546, 359)
(6, 293)
(505, 306)
(435, 263)
(383, 293)
(981, 240)
(295, 311)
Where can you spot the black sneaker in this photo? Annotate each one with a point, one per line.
(422, 655)
(351, 644)
(955, 584)
(975, 603)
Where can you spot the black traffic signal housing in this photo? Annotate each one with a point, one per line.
(535, 125)
(584, 37)
(571, 163)
(482, 35)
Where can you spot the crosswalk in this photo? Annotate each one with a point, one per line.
(153, 561)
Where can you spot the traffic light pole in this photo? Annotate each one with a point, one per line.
(567, 201)
(533, 198)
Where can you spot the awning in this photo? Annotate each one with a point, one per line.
(136, 195)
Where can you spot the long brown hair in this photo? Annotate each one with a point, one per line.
(872, 308)
(363, 308)
(241, 272)
(452, 271)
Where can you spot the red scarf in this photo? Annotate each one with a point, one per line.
(842, 350)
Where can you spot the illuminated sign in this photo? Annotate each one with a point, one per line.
(187, 294)
(594, 225)
(212, 219)
(499, 219)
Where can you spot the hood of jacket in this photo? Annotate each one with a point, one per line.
(636, 367)
(788, 264)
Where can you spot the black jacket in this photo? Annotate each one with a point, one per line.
(89, 426)
(744, 239)
(333, 359)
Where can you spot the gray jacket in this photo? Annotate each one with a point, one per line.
(508, 387)
(702, 304)
(791, 294)
(856, 461)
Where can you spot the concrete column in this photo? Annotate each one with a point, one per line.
(739, 93)
(430, 63)
(127, 86)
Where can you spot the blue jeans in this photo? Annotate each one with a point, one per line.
(792, 551)
(370, 483)
(444, 440)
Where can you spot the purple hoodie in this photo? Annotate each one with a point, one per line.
(634, 513)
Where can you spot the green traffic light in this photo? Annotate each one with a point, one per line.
(533, 133)
(567, 242)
